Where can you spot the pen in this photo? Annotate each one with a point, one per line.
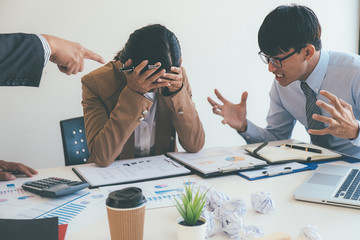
(277, 171)
(235, 168)
(173, 163)
(130, 69)
(308, 149)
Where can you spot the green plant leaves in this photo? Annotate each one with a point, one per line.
(191, 205)
(180, 209)
(189, 215)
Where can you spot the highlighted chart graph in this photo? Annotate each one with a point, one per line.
(10, 191)
(80, 211)
(235, 159)
(67, 211)
(77, 209)
(12, 199)
(162, 195)
(18, 203)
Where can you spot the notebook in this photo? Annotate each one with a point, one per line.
(300, 152)
(332, 184)
(218, 161)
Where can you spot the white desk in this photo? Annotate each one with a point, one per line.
(290, 216)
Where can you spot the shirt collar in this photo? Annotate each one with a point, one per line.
(317, 76)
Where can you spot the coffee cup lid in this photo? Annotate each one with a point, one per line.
(126, 198)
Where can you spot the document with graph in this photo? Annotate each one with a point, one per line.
(17, 203)
(131, 170)
(218, 161)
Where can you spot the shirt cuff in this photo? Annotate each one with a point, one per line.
(356, 141)
(47, 49)
(251, 130)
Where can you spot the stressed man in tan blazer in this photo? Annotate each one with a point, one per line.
(135, 105)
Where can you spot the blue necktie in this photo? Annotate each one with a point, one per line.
(311, 108)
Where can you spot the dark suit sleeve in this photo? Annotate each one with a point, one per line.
(21, 60)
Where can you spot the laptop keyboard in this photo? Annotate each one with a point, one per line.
(350, 189)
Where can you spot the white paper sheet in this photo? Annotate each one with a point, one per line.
(125, 171)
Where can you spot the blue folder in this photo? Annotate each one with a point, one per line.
(307, 166)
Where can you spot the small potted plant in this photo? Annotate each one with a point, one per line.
(191, 225)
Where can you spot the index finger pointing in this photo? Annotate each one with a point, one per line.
(93, 56)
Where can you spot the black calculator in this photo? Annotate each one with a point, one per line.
(54, 187)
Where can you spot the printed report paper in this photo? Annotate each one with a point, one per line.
(132, 170)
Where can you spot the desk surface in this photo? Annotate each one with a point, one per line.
(290, 216)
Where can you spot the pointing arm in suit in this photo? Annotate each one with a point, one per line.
(21, 60)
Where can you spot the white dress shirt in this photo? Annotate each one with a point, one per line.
(47, 49)
(145, 132)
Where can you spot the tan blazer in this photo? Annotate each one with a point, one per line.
(112, 111)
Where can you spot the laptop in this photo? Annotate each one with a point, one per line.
(332, 184)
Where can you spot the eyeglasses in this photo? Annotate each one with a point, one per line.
(275, 61)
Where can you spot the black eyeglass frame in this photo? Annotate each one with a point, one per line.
(266, 59)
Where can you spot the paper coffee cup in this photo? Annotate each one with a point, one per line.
(126, 214)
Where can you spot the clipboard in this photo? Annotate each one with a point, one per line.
(277, 170)
(130, 171)
(218, 161)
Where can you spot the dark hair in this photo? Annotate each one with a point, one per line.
(154, 43)
(289, 27)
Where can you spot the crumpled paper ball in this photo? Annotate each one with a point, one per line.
(262, 202)
(251, 232)
(230, 216)
(215, 199)
(210, 223)
(309, 233)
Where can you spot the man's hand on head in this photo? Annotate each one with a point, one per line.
(142, 81)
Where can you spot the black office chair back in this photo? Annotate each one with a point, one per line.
(74, 141)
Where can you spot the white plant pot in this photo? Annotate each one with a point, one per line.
(191, 232)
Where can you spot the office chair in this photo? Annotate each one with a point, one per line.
(74, 141)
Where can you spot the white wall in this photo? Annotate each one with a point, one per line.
(219, 44)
